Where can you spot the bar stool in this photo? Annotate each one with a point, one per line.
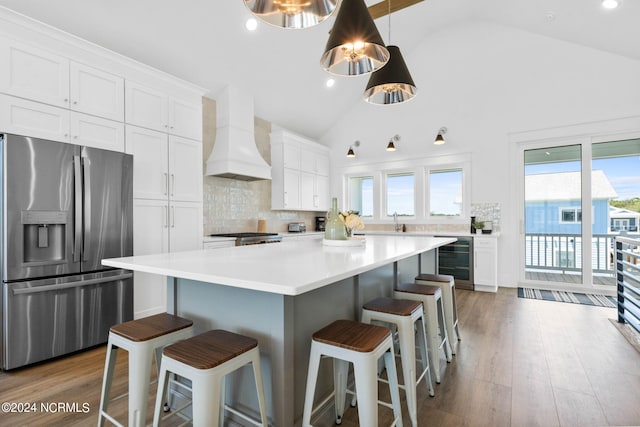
(447, 284)
(431, 298)
(206, 359)
(347, 341)
(405, 314)
(142, 338)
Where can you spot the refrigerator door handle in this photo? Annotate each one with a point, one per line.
(86, 169)
(77, 222)
(59, 286)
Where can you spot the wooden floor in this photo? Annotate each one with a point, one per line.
(521, 362)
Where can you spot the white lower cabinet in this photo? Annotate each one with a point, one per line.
(161, 226)
(485, 264)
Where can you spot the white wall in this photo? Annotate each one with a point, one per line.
(483, 82)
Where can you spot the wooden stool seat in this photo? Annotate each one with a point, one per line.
(205, 360)
(447, 284)
(150, 327)
(408, 318)
(428, 277)
(397, 307)
(351, 335)
(210, 349)
(143, 339)
(414, 288)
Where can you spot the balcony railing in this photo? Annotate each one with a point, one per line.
(628, 281)
(563, 252)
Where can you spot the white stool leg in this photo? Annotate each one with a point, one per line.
(109, 367)
(443, 330)
(163, 381)
(206, 401)
(312, 378)
(138, 385)
(257, 373)
(340, 374)
(390, 364)
(422, 346)
(408, 360)
(366, 375)
(432, 334)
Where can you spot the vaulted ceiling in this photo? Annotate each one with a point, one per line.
(205, 42)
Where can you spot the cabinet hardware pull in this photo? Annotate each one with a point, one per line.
(166, 183)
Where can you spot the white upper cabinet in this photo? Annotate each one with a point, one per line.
(185, 169)
(33, 73)
(300, 173)
(24, 117)
(42, 76)
(96, 132)
(154, 109)
(150, 162)
(96, 92)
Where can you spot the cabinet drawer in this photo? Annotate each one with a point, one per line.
(487, 242)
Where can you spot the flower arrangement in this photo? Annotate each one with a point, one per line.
(352, 221)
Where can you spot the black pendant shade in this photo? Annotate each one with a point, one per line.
(392, 84)
(355, 46)
(292, 13)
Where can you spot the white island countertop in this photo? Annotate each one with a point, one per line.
(287, 268)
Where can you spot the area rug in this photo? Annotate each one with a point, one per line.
(572, 297)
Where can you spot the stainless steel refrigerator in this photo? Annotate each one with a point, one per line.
(64, 208)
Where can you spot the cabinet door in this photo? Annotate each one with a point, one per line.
(150, 162)
(307, 191)
(291, 189)
(485, 262)
(33, 73)
(307, 160)
(185, 169)
(185, 226)
(146, 107)
(185, 119)
(322, 202)
(96, 92)
(322, 164)
(291, 156)
(24, 117)
(150, 236)
(96, 132)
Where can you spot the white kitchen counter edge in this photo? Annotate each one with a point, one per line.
(217, 265)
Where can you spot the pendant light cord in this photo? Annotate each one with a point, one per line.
(389, 9)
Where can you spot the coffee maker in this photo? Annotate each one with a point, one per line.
(320, 223)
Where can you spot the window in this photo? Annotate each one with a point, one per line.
(361, 195)
(400, 194)
(570, 215)
(445, 193)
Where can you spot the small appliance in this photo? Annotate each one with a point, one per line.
(297, 227)
(321, 222)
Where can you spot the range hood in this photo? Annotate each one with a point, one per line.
(235, 154)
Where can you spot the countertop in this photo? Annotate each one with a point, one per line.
(424, 233)
(288, 268)
(283, 234)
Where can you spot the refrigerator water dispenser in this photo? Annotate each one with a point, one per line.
(44, 237)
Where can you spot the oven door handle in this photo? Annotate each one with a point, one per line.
(79, 283)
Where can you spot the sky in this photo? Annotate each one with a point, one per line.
(623, 173)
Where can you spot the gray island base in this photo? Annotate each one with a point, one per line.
(280, 294)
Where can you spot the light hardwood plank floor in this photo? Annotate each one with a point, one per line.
(521, 362)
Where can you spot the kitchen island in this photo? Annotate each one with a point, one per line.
(280, 294)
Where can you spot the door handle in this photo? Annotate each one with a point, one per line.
(77, 221)
(59, 286)
(173, 217)
(166, 183)
(173, 184)
(86, 168)
(165, 221)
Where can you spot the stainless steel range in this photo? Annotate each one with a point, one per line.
(243, 239)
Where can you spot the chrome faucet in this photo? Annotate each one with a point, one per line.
(396, 226)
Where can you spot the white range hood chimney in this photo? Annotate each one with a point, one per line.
(235, 154)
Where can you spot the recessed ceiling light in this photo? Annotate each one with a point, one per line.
(330, 82)
(610, 4)
(251, 24)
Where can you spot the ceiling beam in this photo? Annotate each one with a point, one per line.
(381, 9)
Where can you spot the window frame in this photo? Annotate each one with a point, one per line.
(348, 192)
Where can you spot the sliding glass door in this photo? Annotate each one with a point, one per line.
(566, 187)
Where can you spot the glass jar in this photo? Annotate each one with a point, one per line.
(334, 228)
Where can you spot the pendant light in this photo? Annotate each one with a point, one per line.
(295, 14)
(355, 46)
(392, 84)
